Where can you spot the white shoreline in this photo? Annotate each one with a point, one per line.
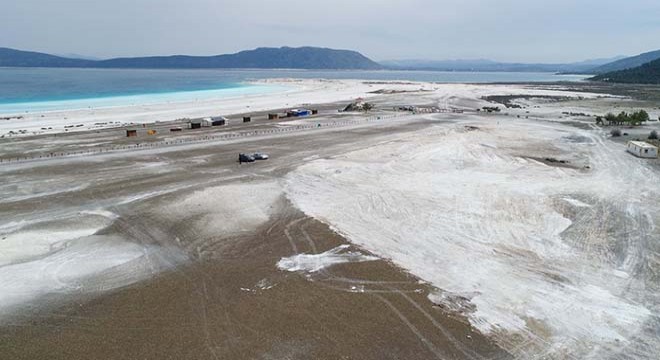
(301, 92)
(134, 100)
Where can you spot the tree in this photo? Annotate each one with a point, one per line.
(615, 132)
(653, 135)
(611, 118)
(638, 117)
(367, 107)
(622, 118)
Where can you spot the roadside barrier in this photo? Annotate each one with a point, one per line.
(201, 139)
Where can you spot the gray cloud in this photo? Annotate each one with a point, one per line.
(508, 30)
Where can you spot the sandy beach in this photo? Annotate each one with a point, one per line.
(292, 93)
(460, 234)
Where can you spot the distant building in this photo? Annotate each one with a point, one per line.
(200, 123)
(642, 149)
(218, 121)
(195, 124)
(131, 133)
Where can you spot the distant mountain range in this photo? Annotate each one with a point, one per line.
(18, 58)
(314, 58)
(489, 65)
(648, 73)
(595, 66)
(261, 58)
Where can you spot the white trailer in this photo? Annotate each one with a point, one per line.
(207, 122)
(642, 149)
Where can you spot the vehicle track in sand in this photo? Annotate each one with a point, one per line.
(380, 290)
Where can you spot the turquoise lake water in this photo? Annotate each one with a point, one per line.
(38, 89)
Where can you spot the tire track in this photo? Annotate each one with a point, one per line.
(383, 288)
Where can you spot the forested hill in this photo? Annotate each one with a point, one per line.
(261, 58)
(627, 63)
(648, 73)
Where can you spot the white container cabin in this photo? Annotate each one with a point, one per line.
(642, 149)
(207, 122)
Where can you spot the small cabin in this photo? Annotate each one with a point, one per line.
(131, 133)
(218, 121)
(642, 149)
(273, 116)
(195, 124)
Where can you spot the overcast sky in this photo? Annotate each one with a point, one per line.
(505, 30)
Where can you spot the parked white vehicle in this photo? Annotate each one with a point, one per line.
(260, 156)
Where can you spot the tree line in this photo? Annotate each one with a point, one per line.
(624, 118)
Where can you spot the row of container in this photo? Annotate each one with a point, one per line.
(221, 121)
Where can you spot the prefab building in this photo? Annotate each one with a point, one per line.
(195, 124)
(273, 116)
(642, 149)
(218, 121)
(200, 123)
(131, 133)
(207, 122)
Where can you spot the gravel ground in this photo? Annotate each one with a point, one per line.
(173, 251)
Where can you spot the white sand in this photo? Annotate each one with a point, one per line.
(316, 262)
(482, 223)
(301, 92)
(25, 245)
(63, 271)
(227, 210)
(65, 257)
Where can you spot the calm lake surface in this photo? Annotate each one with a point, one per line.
(33, 89)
